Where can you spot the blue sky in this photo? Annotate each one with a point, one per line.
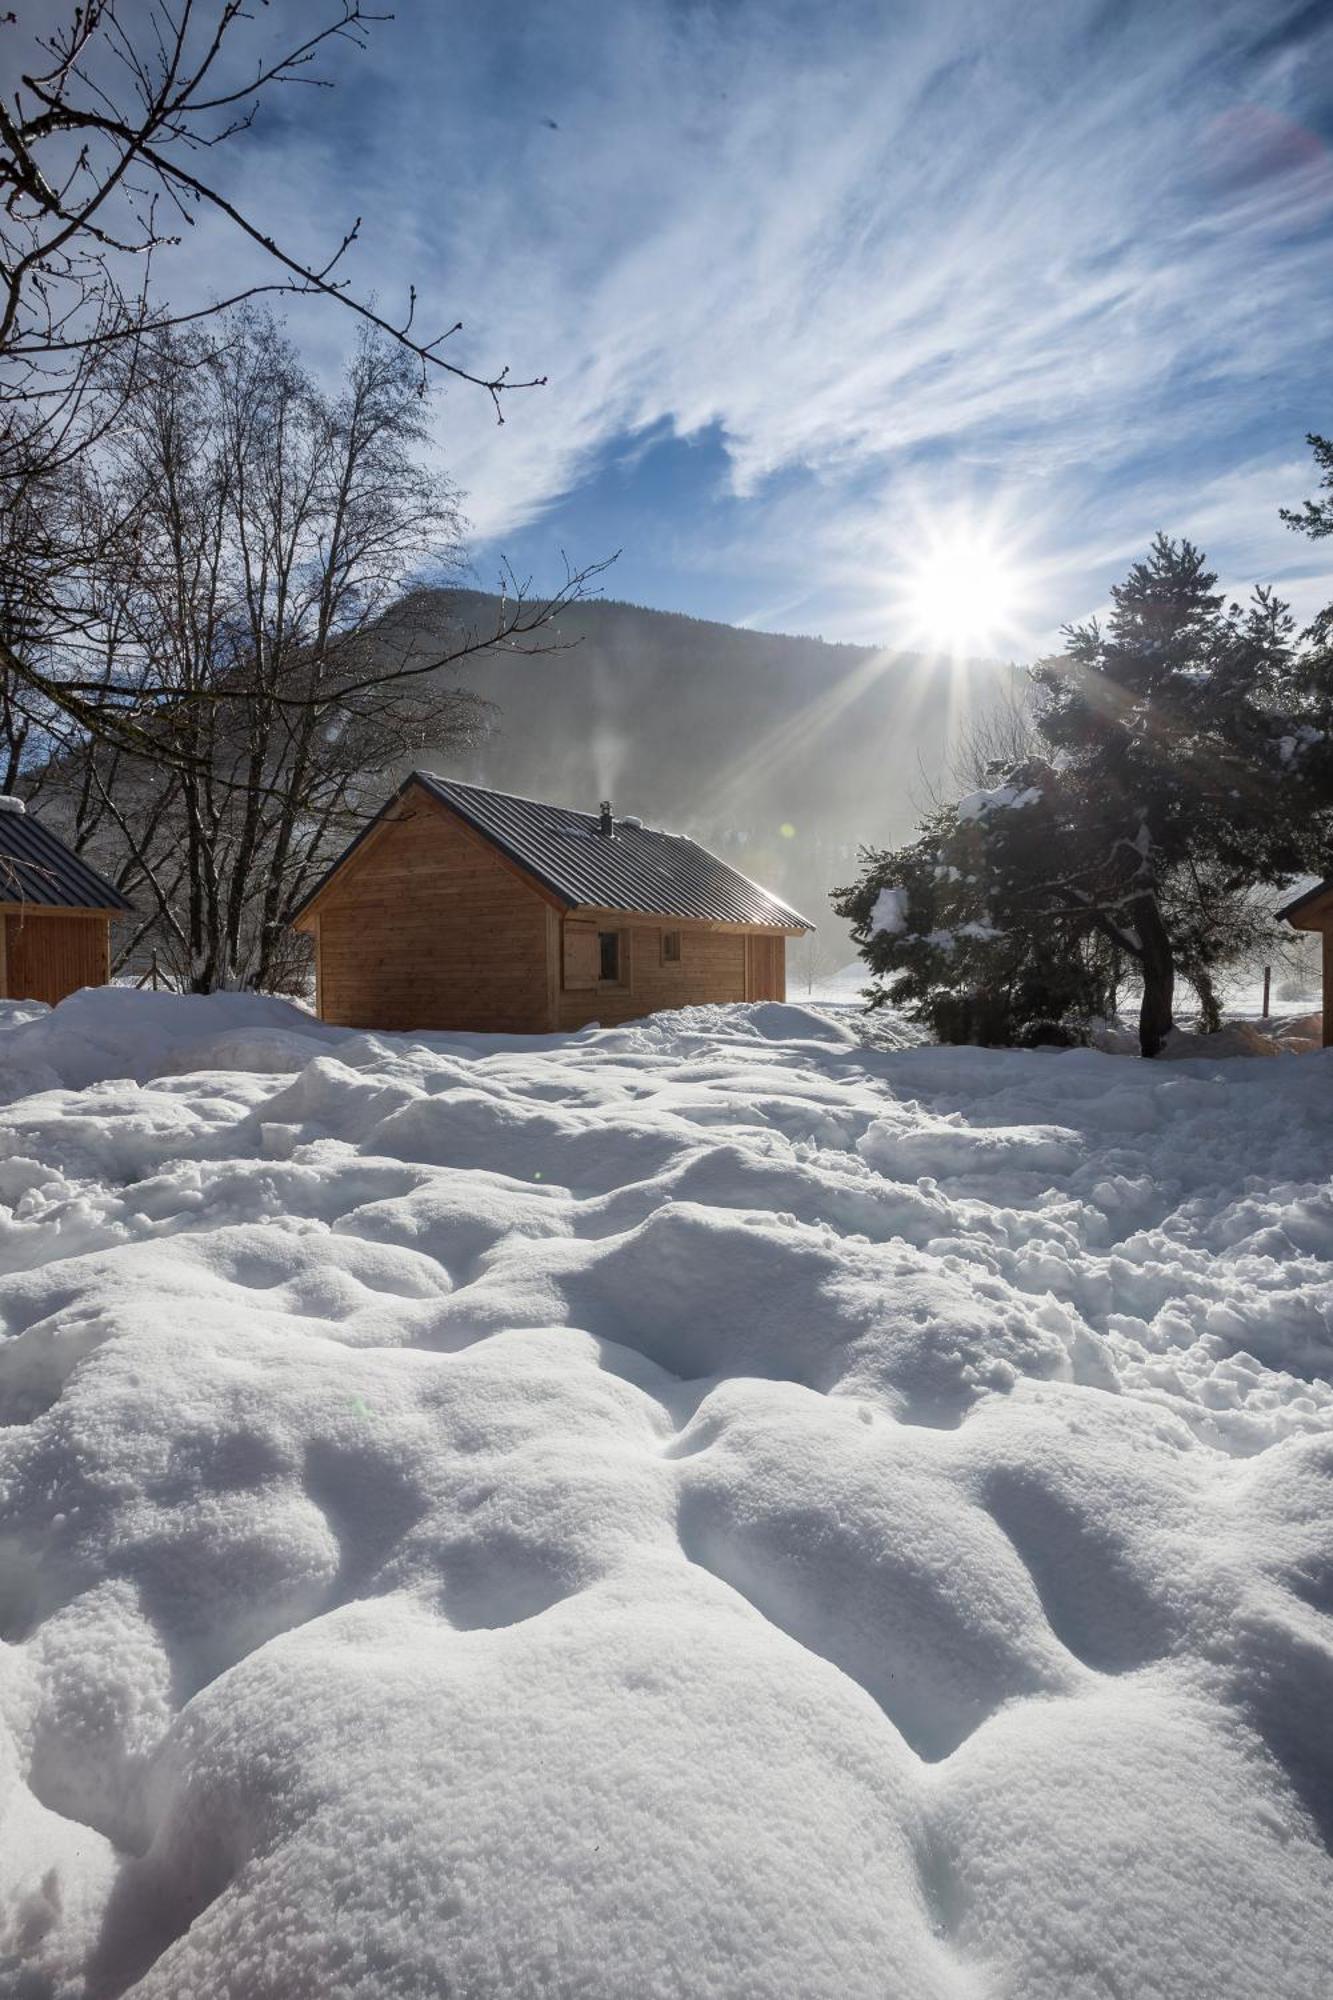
(815, 286)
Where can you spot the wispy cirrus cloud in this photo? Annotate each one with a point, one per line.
(1067, 262)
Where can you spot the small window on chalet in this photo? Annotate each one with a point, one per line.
(608, 944)
(671, 947)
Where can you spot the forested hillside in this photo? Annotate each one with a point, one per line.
(781, 753)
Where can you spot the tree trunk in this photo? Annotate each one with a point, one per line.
(1156, 1018)
(1210, 1012)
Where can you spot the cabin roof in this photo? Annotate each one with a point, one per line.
(636, 869)
(37, 867)
(1298, 903)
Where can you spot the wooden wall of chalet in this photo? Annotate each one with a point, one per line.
(714, 966)
(429, 927)
(45, 955)
(1315, 913)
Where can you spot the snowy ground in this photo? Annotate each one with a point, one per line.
(699, 1509)
(1291, 997)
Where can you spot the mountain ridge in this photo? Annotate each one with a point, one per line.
(782, 752)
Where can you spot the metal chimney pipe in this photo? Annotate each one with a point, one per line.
(606, 825)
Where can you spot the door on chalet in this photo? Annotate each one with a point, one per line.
(765, 968)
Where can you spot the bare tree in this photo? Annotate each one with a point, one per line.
(998, 736)
(105, 148)
(257, 531)
(816, 956)
(101, 151)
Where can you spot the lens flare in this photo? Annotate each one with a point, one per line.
(963, 593)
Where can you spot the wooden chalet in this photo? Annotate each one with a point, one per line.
(55, 912)
(1314, 912)
(463, 908)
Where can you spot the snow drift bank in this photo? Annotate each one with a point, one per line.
(700, 1508)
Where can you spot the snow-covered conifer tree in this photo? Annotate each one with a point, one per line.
(1185, 762)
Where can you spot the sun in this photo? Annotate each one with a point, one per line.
(962, 594)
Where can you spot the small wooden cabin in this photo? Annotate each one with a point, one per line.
(462, 908)
(55, 912)
(1314, 912)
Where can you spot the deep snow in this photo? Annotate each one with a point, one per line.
(701, 1508)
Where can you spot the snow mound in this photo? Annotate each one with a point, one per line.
(698, 1508)
(1236, 1038)
(117, 1031)
(1304, 1031)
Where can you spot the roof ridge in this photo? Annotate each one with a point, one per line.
(494, 792)
(632, 822)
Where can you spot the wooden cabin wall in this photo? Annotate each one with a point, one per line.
(47, 957)
(430, 928)
(714, 967)
(765, 967)
(1316, 914)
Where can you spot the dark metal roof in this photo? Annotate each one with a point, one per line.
(1308, 896)
(37, 867)
(635, 868)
